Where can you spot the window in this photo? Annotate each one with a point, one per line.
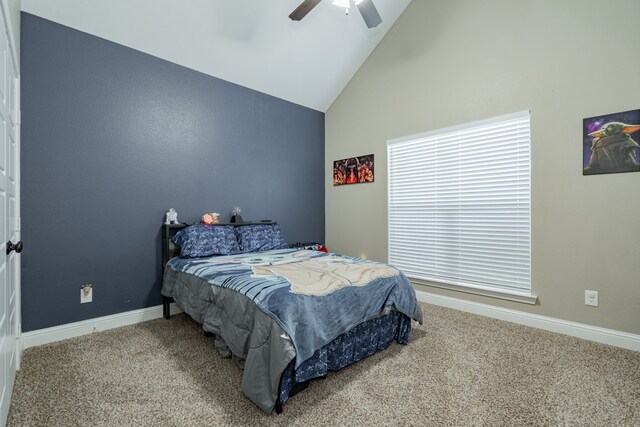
(459, 207)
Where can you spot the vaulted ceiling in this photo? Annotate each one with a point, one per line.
(252, 43)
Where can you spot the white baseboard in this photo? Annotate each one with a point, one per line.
(579, 330)
(574, 329)
(85, 327)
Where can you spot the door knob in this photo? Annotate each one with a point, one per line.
(14, 247)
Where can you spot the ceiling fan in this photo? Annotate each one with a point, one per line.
(366, 7)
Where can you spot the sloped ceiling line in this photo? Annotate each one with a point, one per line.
(252, 43)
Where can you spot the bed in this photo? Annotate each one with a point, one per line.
(285, 315)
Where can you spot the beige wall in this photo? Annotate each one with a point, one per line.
(451, 62)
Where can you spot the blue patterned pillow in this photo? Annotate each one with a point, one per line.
(254, 238)
(206, 240)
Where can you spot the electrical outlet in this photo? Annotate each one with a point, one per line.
(86, 293)
(591, 298)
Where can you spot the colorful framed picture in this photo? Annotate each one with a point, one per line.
(610, 143)
(354, 170)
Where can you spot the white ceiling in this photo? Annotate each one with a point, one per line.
(249, 42)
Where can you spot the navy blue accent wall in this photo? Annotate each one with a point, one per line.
(112, 138)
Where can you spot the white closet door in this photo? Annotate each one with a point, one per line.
(9, 218)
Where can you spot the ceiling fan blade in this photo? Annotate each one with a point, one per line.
(305, 7)
(369, 13)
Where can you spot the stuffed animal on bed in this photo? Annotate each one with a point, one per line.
(210, 218)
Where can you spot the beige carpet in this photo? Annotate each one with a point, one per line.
(459, 369)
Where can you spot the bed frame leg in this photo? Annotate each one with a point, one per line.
(278, 407)
(166, 307)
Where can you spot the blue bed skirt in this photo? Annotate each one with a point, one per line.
(357, 344)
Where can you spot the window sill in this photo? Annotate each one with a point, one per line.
(522, 297)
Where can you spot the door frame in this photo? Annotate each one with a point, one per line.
(18, 259)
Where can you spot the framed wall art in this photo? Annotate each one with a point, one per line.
(354, 170)
(610, 143)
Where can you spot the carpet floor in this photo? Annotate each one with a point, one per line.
(459, 369)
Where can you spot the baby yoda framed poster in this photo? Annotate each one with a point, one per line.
(610, 143)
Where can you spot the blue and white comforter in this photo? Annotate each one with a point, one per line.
(310, 321)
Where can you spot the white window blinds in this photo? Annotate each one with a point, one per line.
(459, 204)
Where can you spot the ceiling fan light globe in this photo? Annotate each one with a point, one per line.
(342, 3)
